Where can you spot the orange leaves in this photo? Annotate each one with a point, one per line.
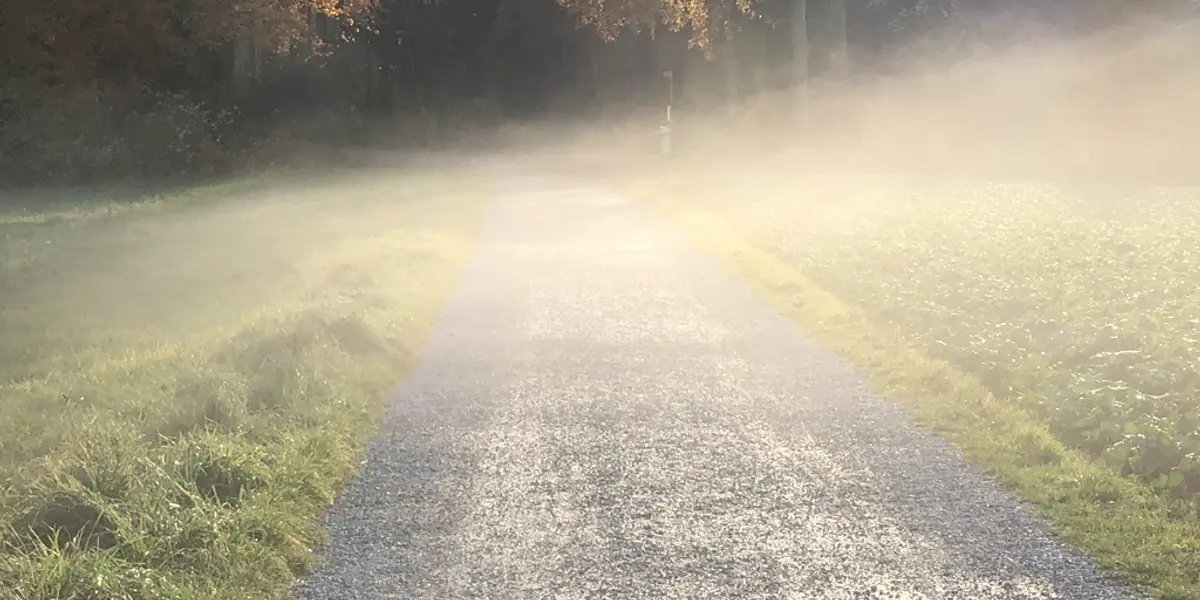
(77, 41)
(700, 17)
(344, 8)
(273, 24)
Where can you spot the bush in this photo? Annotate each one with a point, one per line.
(85, 134)
(175, 134)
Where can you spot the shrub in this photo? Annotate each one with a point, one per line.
(84, 134)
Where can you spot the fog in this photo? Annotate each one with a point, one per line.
(1115, 108)
(189, 372)
(1110, 110)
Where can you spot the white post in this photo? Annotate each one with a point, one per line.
(665, 130)
(670, 75)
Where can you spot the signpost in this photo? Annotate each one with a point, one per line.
(665, 130)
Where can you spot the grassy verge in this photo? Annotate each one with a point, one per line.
(186, 384)
(911, 327)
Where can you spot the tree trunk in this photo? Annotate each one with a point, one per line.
(244, 68)
(757, 53)
(372, 101)
(839, 60)
(800, 57)
(733, 75)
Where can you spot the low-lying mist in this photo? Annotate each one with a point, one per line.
(1117, 107)
(1023, 218)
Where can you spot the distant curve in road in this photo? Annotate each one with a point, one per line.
(603, 413)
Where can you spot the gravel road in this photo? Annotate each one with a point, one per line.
(604, 413)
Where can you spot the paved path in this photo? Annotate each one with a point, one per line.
(603, 413)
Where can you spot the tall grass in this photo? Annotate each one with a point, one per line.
(186, 384)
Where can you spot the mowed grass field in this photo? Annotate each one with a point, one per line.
(1051, 331)
(186, 380)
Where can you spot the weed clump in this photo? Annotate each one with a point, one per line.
(233, 471)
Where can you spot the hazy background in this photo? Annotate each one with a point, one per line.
(96, 91)
(226, 227)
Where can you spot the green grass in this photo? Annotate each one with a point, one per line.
(1049, 332)
(187, 380)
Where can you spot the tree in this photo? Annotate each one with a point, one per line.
(839, 60)
(706, 20)
(800, 56)
(132, 43)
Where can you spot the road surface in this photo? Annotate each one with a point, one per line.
(603, 413)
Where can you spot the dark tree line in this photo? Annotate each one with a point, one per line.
(146, 88)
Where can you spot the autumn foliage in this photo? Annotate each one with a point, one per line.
(703, 19)
(140, 87)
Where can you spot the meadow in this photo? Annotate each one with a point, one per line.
(186, 378)
(1056, 327)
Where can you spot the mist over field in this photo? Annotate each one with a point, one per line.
(226, 232)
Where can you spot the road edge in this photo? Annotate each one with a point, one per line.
(1126, 528)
